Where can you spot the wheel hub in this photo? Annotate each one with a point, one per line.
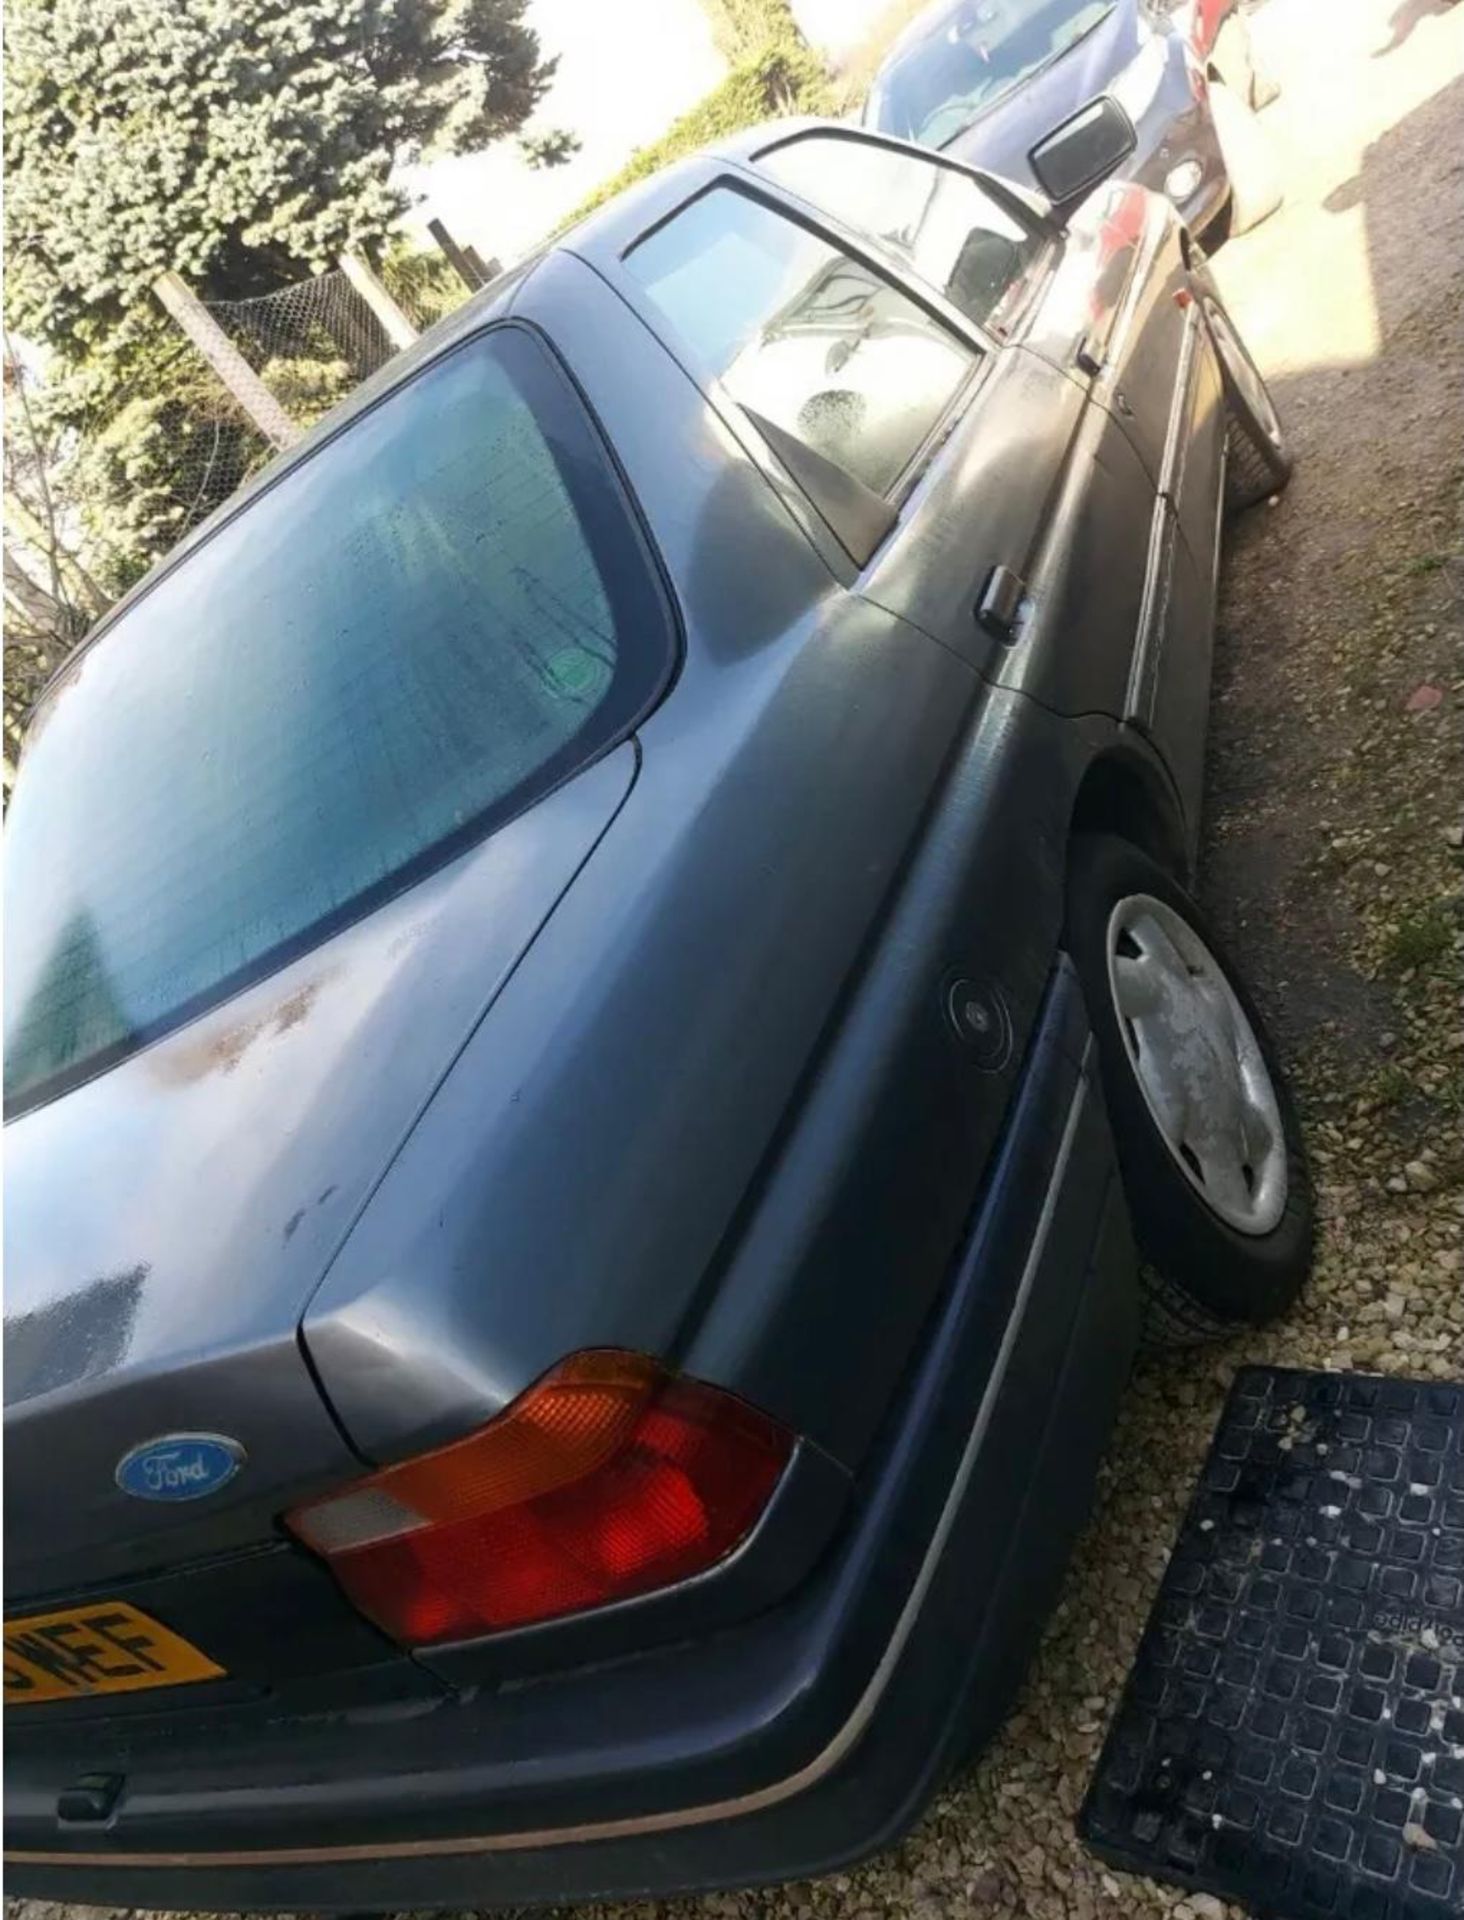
(1198, 1063)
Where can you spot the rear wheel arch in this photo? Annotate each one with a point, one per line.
(1123, 794)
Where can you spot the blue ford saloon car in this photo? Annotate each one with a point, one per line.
(602, 1001)
(987, 80)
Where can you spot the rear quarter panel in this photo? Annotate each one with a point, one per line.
(582, 1174)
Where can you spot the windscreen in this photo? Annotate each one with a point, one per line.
(934, 91)
(407, 639)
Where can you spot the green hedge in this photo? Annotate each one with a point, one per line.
(742, 28)
(784, 79)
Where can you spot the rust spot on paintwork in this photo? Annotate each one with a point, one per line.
(1424, 699)
(221, 1051)
(230, 1047)
(295, 1009)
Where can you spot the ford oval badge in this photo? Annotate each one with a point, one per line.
(180, 1466)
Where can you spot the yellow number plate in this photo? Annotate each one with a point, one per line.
(106, 1648)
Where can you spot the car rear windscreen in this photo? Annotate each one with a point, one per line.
(416, 632)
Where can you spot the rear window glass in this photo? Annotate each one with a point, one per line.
(815, 341)
(414, 634)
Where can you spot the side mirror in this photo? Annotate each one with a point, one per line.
(1079, 155)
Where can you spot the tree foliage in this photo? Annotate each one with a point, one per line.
(551, 149)
(743, 29)
(241, 143)
(145, 463)
(244, 144)
(50, 596)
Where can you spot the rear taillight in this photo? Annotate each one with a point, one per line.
(607, 1478)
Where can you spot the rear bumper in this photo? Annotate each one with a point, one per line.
(794, 1743)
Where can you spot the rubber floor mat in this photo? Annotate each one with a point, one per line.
(1291, 1737)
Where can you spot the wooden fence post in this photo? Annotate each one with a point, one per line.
(399, 329)
(459, 258)
(194, 319)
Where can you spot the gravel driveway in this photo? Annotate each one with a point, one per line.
(1333, 863)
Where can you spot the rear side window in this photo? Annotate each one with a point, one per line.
(812, 340)
(945, 225)
(415, 633)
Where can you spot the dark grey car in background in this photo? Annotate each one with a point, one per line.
(986, 80)
(598, 970)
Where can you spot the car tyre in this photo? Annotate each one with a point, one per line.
(1172, 1319)
(1255, 179)
(1258, 459)
(1208, 1141)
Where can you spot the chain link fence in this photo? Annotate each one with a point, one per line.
(310, 343)
(141, 475)
(212, 446)
(424, 286)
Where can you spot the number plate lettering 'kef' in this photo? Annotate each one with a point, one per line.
(105, 1648)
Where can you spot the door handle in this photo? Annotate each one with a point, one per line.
(999, 608)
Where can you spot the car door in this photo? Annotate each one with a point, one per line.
(1146, 351)
(1121, 318)
(1020, 539)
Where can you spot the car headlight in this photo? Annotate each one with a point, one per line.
(1136, 86)
(1182, 181)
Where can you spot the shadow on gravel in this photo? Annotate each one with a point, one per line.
(1326, 597)
(1407, 18)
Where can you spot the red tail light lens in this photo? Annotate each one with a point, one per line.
(609, 1477)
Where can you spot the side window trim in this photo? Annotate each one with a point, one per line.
(1008, 198)
(866, 249)
(1010, 201)
(814, 527)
